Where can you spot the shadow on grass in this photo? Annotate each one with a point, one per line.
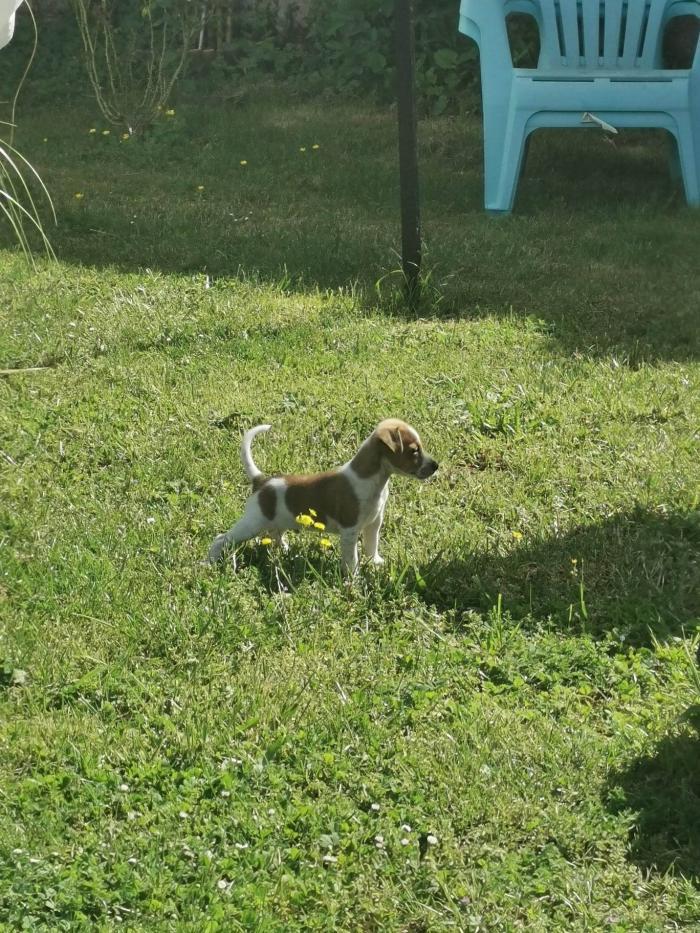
(637, 573)
(600, 247)
(282, 572)
(663, 791)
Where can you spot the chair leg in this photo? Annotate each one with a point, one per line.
(494, 143)
(674, 159)
(689, 153)
(504, 144)
(526, 154)
(511, 162)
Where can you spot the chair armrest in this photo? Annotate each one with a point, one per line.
(531, 7)
(682, 8)
(484, 21)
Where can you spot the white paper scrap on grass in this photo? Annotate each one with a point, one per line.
(7, 19)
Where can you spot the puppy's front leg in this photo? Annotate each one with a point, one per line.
(348, 551)
(370, 539)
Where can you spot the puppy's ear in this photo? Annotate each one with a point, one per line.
(392, 438)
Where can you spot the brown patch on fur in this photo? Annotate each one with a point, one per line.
(367, 461)
(392, 439)
(330, 495)
(258, 482)
(389, 433)
(407, 461)
(400, 445)
(267, 499)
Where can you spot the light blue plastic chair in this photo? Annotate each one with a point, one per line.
(600, 60)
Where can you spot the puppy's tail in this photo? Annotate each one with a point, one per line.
(252, 472)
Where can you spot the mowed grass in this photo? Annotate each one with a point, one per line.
(495, 731)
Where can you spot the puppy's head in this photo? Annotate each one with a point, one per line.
(402, 450)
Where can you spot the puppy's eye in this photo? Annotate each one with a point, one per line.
(416, 453)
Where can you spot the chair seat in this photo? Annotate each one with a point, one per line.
(616, 76)
(610, 91)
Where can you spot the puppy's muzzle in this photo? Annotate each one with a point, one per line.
(427, 468)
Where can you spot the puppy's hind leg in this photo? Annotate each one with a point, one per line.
(279, 540)
(250, 525)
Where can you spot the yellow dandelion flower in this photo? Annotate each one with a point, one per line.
(244, 161)
(170, 113)
(325, 542)
(518, 535)
(319, 526)
(200, 187)
(92, 129)
(313, 512)
(315, 146)
(78, 195)
(105, 132)
(304, 520)
(125, 136)
(574, 560)
(266, 541)
(302, 148)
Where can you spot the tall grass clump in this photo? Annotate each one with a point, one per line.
(17, 204)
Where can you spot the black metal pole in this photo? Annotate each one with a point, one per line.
(408, 149)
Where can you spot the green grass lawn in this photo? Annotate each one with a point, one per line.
(495, 731)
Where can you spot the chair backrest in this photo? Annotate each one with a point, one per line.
(592, 34)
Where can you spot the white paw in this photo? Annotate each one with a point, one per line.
(377, 560)
(216, 549)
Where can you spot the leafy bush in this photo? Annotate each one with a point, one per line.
(349, 46)
(341, 46)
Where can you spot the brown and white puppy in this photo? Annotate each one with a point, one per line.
(349, 501)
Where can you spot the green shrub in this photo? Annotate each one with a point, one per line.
(344, 47)
(352, 48)
(349, 47)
